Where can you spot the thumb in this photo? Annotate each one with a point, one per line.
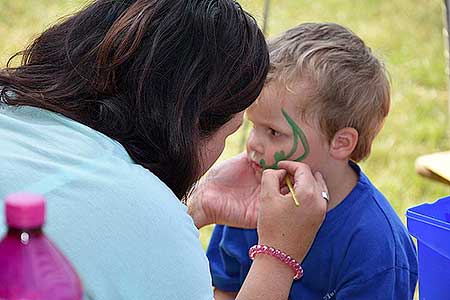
(271, 181)
(298, 169)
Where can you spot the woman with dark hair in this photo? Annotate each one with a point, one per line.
(114, 114)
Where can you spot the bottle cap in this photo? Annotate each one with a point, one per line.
(25, 210)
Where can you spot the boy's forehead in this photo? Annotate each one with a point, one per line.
(268, 107)
(278, 94)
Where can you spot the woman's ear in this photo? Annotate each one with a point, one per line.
(343, 143)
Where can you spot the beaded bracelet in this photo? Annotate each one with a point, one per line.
(278, 254)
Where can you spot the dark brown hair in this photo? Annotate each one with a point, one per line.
(158, 76)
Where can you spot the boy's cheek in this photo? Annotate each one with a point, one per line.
(269, 158)
(299, 153)
(277, 151)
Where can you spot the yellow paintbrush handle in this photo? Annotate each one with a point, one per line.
(291, 189)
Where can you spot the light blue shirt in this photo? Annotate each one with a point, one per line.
(123, 229)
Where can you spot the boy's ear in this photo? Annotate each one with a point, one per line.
(343, 143)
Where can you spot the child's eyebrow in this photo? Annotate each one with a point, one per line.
(260, 120)
(275, 126)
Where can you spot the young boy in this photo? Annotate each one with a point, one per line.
(325, 100)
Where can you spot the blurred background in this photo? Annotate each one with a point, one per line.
(407, 34)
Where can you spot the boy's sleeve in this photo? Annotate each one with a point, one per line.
(228, 256)
(392, 284)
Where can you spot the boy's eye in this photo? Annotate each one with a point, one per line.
(274, 133)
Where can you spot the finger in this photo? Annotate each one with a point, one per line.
(300, 171)
(275, 177)
(242, 155)
(293, 167)
(271, 181)
(284, 190)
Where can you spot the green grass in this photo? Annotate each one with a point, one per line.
(408, 35)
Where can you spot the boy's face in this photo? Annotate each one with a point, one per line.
(272, 132)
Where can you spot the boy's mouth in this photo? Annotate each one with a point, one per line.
(257, 167)
(252, 160)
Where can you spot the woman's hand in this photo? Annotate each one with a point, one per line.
(229, 194)
(283, 225)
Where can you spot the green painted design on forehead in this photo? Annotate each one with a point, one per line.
(298, 134)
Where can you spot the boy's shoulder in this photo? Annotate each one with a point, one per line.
(375, 231)
(374, 211)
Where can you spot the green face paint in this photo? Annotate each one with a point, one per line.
(298, 134)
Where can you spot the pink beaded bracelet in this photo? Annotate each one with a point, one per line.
(278, 254)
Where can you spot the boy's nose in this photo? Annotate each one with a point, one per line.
(254, 144)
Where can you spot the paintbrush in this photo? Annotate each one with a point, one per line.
(291, 189)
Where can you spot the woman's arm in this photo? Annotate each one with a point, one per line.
(267, 279)
(262, 287)
(281, 225)
(284, 226)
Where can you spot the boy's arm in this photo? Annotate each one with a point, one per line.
(228, 258)
(222, 295)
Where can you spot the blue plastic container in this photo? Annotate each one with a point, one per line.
(430, 225)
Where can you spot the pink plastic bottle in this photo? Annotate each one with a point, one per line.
(31, 267)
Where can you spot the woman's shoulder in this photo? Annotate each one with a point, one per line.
(119, 224)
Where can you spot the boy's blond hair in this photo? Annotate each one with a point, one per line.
(348, 85)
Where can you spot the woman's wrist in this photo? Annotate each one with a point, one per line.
(267, 279)
(297, 251)
(281, 271)
(281, 256)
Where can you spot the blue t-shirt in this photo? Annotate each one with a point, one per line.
(362, 251)
(123, 229)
